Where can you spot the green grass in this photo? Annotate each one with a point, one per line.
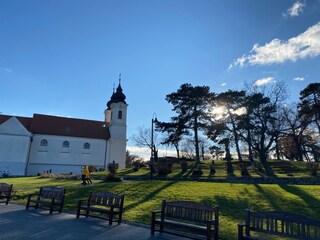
(283, 169)
(144, 196)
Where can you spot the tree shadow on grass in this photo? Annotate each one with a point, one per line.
(150, 195)
(230, 209)
(312, 204)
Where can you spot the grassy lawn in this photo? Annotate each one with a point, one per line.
(283, 169)
(144, 196)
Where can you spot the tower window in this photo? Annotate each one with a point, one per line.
(120, 114)
(65, 144)
(44, 143)
(86, 146)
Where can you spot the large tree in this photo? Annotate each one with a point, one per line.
(309, 107)
(232, 103)
(191, 103)
(262, 114)
(174, 132)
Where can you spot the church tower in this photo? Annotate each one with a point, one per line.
(116, 120)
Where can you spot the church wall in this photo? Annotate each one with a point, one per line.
(14, 151)
(117, 151)
(61, 159)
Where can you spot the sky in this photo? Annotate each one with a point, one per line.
(64, 57)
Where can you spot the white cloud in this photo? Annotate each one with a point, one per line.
(6, 69)
(295, 10)
(264, 81)
(223, 84)
(305, 45)
(298, 79)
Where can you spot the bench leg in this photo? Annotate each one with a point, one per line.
(78, 208)
(120, 218)
(208, 231)
(28, 202)
(111, 218)
(60, 209)
(153, 223)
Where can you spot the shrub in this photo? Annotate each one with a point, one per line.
(197, 171)
(164, 167)
(313, 168)
(184, 165)
(112, 167)
(112, 177)
(136, 165)
(92, 168)
(212, 169)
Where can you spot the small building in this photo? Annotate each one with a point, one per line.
(43, 143)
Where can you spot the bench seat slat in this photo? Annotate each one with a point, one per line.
(109, 206)
(186, 218)
(51, 198)
(280, 224)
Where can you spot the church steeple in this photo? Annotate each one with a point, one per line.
(117, 96)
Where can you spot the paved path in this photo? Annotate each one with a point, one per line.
(18, 223)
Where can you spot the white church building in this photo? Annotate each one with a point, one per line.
(32, 145)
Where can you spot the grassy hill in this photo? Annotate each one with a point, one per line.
(141, 197)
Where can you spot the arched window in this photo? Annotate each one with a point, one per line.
(120, 114)
(44, 143)
(86, 146)
(65, 144)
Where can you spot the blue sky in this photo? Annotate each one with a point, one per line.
(63, 57)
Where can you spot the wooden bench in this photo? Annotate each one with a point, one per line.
(5, 192)
(281, 224)
(51, 198)
(104, 205)
(188, 219)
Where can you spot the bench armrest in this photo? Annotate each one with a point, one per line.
(241, 226)
(154, 213)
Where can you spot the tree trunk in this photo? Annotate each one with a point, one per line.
(177, 149)
(228, 159)
(265, 164)
(277, 148)
(244, 171)
(196, 136)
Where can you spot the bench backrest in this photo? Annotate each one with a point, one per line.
(106, 199)
(189, 211)
(283, 224)
(5, 188)
(52, 192)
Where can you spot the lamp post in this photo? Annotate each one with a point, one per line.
(154, 119)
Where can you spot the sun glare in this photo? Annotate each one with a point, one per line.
(218, 112)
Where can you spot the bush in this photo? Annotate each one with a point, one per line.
(92, 168)
(112, 167)
(184, 165)
(313, 168)
(112, 177)
(212, 169)
(164, 167)
(197, 171)
(136, 165)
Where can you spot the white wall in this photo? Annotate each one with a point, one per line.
(65, 160)
(117, 152)
(117, 143)
(13, 154)
(14, 147)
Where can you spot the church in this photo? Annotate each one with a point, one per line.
(41, 143)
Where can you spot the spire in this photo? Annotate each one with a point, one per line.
(117, 95)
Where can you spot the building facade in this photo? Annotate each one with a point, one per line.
(44, 143)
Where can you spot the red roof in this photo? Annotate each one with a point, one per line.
(25, 121)
(62, 126)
